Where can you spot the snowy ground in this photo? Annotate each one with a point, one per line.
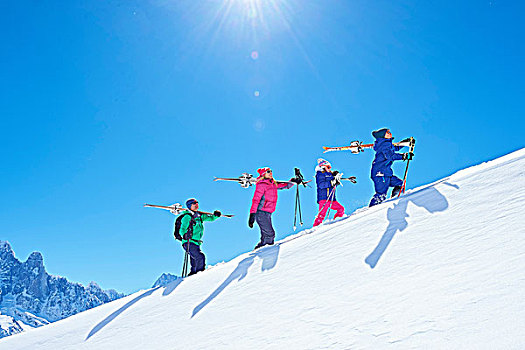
(442, 267)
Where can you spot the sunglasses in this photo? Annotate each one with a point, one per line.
(269, 171)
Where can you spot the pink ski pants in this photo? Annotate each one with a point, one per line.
(323, 208)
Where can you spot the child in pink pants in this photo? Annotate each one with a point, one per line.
(326, 183)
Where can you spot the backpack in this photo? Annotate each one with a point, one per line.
(178, 223)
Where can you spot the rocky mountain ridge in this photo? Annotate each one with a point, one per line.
(30, 297)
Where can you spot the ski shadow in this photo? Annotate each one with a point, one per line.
(429, 198)
(170, 287)
(269, 256)
(111, 317)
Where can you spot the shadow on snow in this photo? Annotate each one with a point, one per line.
(269, 256)
(111, 317)
(167, 291)
(429, 198)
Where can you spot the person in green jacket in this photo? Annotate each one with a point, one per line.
(191, 230)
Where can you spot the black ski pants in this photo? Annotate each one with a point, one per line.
(197, 258)
(264, 220)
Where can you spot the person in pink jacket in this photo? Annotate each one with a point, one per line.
(263, 204)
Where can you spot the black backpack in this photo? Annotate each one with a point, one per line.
(178, 223)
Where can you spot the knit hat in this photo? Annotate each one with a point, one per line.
(190, 202)
(380, 134)
(261, 171)
(323, 162)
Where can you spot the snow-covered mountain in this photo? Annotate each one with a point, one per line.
(441, 267)
(164, 280)
(8, 326)
(30, 297)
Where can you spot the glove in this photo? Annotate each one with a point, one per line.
(335, 172)
(408, 156)
(187, 235)
(296, 180)
(337, 178)
(217, 213)
(352, 179)
(251, 220)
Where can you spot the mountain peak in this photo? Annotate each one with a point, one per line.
(94, 286)
(5, 249)
(164, 280)
(35, 260)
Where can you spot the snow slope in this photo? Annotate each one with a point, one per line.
(442, 267)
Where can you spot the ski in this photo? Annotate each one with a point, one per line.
(177, 209)
(357, 147)
(246, 180)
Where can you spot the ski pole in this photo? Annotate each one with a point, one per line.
(322, 208)
(411, 150)
(330, 204)
(300, 181)
(295, 213)
(185, 264)
(297, 206)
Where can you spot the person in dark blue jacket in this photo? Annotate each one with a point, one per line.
(382, 173)
(327, 181)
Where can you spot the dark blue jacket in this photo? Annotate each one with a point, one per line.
(324, 186)
(385, 156)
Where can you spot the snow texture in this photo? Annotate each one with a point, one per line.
(441, 267)
(9, 326)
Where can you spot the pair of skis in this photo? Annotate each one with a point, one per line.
(177, 209)
(358, 146)
(246, 180)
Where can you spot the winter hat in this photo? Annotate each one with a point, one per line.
(380, 134)
(261, 171)
(323, 162)
(190, 202)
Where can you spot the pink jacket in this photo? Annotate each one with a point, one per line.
(265, 196)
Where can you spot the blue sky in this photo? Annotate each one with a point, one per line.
(109, 105)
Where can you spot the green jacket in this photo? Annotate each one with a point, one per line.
(198, 228)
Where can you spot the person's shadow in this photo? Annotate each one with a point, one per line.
(111, 317)
(168, 289)
(269, 256)
(429, 198)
